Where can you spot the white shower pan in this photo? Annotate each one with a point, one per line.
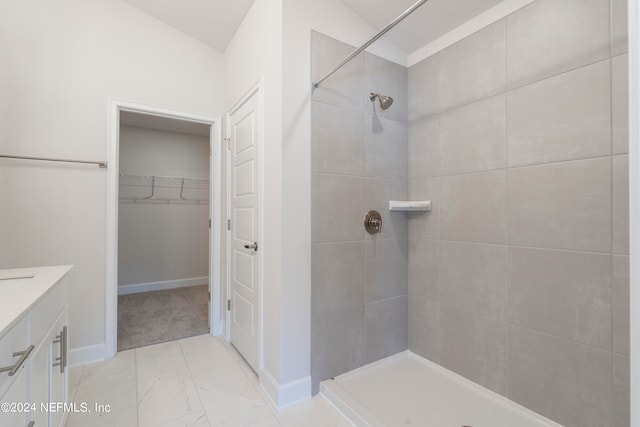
(409, 390)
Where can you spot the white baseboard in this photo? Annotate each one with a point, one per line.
(160, 286)
(88, 354)
(285, 395)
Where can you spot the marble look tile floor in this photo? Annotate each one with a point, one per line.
(199, 381)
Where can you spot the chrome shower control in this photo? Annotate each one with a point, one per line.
(373, 222)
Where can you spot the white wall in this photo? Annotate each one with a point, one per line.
(255, 52)
(61, 61)
(160, 242)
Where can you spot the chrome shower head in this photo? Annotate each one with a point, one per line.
(385, 101)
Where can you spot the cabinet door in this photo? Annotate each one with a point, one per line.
(48, 379)
(58, 369)
(40, 383)
(16, 394)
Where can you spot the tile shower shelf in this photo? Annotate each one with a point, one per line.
(410, 205)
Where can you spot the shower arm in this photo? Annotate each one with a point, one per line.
(371, 41)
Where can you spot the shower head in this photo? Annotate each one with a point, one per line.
(385, 101)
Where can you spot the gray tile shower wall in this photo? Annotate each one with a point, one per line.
(519, 278)
(359, 282)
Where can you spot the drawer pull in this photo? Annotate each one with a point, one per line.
(62, 340)
(24, 355)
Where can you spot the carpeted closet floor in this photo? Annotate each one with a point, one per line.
(153, 317)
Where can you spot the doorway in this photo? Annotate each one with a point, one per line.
(163, 266)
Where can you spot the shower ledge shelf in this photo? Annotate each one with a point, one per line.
(410, 205)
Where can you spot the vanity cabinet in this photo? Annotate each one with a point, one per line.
(34, 348)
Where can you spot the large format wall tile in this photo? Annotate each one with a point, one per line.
(387, 78)
(561, 205)
(620, 104)
(473, 68)
(424, 148)
(475, 347)
(338, 141)
(620, 167)
(378, 192)
(386, 143)
(621, 391)
(566, 294)
(337, 206)
(473, 277)
(567, 382)
(566, 117)
(480, 144)
(621, 304)
(386, 269)
(549, 37)
(423, 327)
(423, 88)
(422, 224)
(337, 342)
(619, 27)
(386, 328)
(423, 268)
(472, 207)
(345, 87)
(337, 276)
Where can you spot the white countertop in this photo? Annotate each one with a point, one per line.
(22, 288)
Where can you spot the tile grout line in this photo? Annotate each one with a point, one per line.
(611, 201)
(179, 342)
(135, 372)
(505, 213)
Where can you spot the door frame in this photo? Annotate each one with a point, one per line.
(215, 212)
(257, 88)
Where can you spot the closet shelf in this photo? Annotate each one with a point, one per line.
(410, 205)
(158, 189)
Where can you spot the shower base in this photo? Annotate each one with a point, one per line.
(409, 390)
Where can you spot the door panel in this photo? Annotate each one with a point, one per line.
(245, 266)
(244, 270)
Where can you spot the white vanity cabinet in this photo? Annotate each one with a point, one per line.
(34, 348)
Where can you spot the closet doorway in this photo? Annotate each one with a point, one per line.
(165, 277)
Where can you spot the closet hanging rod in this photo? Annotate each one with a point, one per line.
(381, 33)
(48, 159)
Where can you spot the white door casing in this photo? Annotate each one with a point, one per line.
(244, 132)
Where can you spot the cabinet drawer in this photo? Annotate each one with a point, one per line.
(12, 342)
(47, 310)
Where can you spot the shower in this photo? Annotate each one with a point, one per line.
(385, 101)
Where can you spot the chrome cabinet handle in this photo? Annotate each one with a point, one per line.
(24, 355)
(254, 246)
(62, 340)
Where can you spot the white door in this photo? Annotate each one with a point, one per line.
(244, 146)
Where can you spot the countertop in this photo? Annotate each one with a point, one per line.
(19, 293)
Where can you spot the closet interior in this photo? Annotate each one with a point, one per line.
(163, 229)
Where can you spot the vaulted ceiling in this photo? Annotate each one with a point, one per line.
(214, 22)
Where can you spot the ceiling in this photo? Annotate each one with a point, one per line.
(167, 124)
(430, 21)
(213, 22)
